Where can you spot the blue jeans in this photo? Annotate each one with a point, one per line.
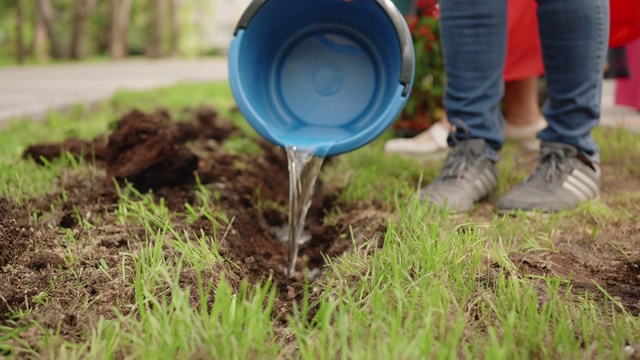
(573, 35)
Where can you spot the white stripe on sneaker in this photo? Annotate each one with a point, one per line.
(485, 181)
(581, 196)
(491, 177)
(581, 185)
(482, 184)
(585, 179)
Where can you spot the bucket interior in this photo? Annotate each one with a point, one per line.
(319, 71)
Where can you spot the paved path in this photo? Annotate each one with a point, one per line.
(31, 91)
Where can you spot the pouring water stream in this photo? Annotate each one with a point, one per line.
(304, 168)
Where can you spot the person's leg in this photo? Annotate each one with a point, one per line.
(474, 38)
(521, 101)
(474, 43)
(574, 36)
(522, 115)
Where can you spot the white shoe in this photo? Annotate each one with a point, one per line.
(427, 142)
(434, 139)
(525, 134)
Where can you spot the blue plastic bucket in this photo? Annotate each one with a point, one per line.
(323, 75)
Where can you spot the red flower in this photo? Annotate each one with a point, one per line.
(412, 22)
(435, 12)
(425, 31)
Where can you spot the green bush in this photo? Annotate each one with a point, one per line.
(425, 104)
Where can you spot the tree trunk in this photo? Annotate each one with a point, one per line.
(19, 37)
(119, 15)
(48, 17)
(81, 10)
(39, 36)
(156, 28)
(176, 27)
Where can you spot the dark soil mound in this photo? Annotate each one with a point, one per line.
(171, 159)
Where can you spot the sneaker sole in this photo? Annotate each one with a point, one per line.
(513, 212)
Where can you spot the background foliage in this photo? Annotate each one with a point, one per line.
(155, 28)
(425, 105)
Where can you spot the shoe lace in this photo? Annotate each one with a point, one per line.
(551, 164)
(460, 156)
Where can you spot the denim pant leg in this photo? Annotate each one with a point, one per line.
(474, 37)
(574, 36)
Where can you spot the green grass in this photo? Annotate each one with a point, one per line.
(440, 287)
(423, 295)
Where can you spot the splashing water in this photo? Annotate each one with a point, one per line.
(304, 168)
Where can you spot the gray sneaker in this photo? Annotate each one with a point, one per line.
(562, 179)
(467, 176)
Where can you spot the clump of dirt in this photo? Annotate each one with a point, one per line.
(149, 152)
(171, 158)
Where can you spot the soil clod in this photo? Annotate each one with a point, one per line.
(77, 244)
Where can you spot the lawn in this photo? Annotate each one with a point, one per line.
(150, 234)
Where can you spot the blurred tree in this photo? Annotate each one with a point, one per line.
(58, 29)
(39, 36)
(20, 52)
(81, 11)
(49, 17)
(156, 28)
(119, 17)
(98, 25)
(176, 27)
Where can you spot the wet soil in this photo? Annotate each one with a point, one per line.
(41, 281)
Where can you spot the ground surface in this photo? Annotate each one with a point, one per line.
(251, 188)
(150, 151)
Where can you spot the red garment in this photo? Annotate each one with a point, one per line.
(625, 31)
(625, 21)
(628, 90)
(524, 55)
